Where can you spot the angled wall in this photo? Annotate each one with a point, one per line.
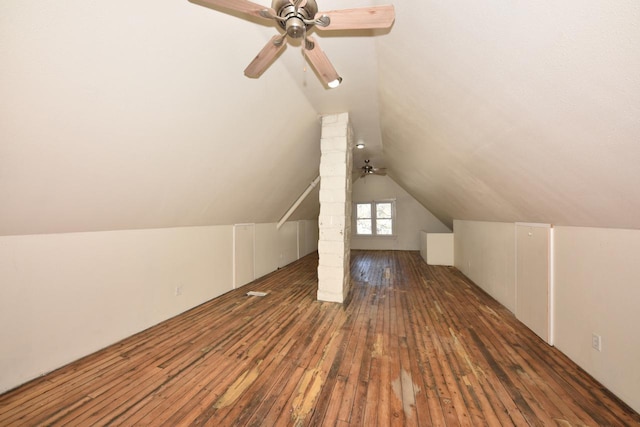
(519, 111)
(411, 216)
(120, 116)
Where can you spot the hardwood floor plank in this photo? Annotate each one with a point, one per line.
(427, 412)
(272, 364)
(402, 409)
(351, 350)
(415, 345)
(332, 393)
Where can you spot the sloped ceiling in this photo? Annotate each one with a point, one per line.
(515, 111)
(125, 115)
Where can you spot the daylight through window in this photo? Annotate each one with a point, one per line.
(375, 218)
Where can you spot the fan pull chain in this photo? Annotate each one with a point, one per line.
(304, 62)
(304, 68)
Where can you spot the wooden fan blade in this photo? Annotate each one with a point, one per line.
(266, 56)
(242, 6)
(299, 3)
(358, 19)
(322, 65)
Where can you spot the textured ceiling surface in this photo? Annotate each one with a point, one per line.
(124, 115)
(518, 111)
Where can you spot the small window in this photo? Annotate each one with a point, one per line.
(375, 218)
(384, 218)
(364, 219)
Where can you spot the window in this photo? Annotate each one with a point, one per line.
(375, 218)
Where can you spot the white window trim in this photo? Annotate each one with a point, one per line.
(373, 235)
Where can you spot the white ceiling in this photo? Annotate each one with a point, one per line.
(519, 111)
(125, 115)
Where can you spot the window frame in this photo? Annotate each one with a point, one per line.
(373, 206)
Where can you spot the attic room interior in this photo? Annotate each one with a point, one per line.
(448, 237)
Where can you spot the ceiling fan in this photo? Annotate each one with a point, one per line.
(297, 18)
(367, 169)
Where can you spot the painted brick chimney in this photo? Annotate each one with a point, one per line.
(335, 208)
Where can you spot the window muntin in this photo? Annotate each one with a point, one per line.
(375, 218)
(384, 218)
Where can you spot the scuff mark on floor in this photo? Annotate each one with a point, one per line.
(459, 348)
(238, 387)
(310, 386)
(404, 390)
(378, 346)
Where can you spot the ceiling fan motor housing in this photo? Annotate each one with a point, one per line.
(294, 20)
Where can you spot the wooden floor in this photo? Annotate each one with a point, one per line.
(415, 345)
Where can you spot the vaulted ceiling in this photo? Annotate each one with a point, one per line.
(125, 115)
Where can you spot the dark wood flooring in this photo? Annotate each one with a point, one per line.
(415, 345)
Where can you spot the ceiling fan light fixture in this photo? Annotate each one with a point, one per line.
(367, 169)
(295, 28)
(335, 83)
(297, 18)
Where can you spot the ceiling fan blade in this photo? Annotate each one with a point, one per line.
(299, 3)
(266, 56)
(356, 19)
(242, 6)
(321, 63)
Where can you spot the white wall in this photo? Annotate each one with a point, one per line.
(438, 248)
(307, 237)
(64, 296)
(287, 243)
(411, 216)
(267, 259)
(534, 294)
(276, 248)
(312, 231)
(243, 254)
(596, 291)
(485, 253)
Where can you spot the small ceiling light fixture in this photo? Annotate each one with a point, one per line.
(360, 145)
(335, 83)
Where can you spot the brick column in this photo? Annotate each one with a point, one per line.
(335, 208)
